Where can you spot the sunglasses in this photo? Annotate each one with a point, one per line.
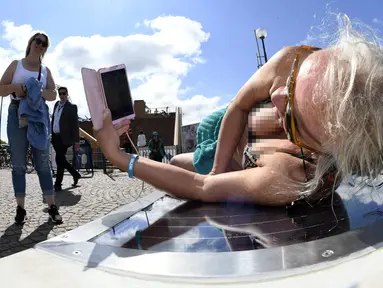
(289, 107)
(62, 93)
(289, 101)
(42, 42)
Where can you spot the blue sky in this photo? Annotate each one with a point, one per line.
(229, 52)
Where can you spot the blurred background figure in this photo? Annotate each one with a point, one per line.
(141, 139)
(156, 148)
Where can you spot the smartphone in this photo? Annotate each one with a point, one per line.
(108, 88)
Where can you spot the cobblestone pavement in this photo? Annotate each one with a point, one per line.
(93, 198)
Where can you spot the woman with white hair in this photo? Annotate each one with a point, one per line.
(329, 104)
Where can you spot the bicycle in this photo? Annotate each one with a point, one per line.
(5, 157)
(30, 164)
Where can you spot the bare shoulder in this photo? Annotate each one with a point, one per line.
(14, 64)
(278, 65)
(285, 54)
(12, 67)
(48, 70)
(9, 72)
(258, 87)
(285, 164)
(287, 51)
(283, 59)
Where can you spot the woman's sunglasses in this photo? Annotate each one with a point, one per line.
(289, 106)
(42, 42)
(289, 101)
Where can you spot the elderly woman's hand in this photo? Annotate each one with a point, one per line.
(108, 138)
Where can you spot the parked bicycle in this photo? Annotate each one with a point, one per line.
(5, 157)
(30, 164)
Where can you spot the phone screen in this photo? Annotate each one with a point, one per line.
(117, 93)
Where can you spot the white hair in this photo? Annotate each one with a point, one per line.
(352, 90)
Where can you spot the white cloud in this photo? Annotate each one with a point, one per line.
(377, 21)
(185, 90)
(158, 60)
(309, 40)
(17, 36)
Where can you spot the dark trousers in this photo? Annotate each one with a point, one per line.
(61, 161)
(155, 156)
(128, 148)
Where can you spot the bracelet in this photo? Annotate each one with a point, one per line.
(132, 163)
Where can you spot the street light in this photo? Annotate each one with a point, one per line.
(261, 34)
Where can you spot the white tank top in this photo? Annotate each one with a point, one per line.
(21, 76)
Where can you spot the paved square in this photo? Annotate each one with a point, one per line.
(93, 198)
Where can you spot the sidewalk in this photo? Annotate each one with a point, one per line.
(93, 198)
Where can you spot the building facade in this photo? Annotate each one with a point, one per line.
(148, 120)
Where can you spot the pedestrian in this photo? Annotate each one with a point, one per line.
(156, 148)
(29, 79)
(141, 139)
(65, 133)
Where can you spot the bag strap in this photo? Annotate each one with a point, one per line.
(39, 77)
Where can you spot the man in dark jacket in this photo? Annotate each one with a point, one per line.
(65, 133)
(156, 148)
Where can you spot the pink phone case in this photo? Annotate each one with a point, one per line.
(95, 96)
(108, 69)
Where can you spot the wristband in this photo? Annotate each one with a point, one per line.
(132, 162)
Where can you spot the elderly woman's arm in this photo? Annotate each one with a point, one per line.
(256, 89)
(273, 183)
(270, 184)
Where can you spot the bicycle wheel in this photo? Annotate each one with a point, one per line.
(30, 167)
(2, 161)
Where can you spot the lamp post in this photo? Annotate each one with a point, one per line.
(261, 34)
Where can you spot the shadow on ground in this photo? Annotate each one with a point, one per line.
(10, 240)
(66, 197)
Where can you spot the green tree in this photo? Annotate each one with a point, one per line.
(2, 142)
